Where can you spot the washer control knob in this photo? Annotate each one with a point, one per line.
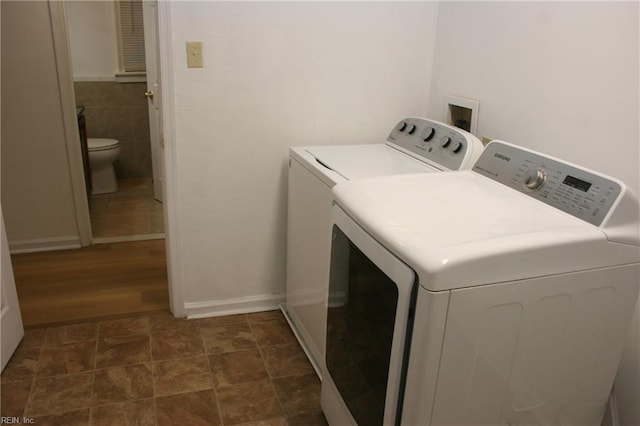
(428, 134)
(402, 126)
(445, 141)
(535, 178)
(457, 148)
(412, 129)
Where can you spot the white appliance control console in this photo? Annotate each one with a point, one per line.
(580, 192)
(450, 147)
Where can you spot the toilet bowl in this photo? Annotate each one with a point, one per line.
(102, 153)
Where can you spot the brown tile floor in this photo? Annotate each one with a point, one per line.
(156, 370)
(131, 211)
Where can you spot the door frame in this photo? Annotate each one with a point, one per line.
(62, 55)
(167, 130)
(154, 94)
(67, 99)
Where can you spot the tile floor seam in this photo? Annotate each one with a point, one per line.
(122, 402)
(148, 333)
(265, 363)
(93, 383)
(213, 382)
(26, 404)
(128, 335)
(98, 369)
(258, 347)
(273, 387)
(250, 323)
(204, 346)
(57, 412)
(181, 359)
(155, 410)
(33, 380)
(153, 386)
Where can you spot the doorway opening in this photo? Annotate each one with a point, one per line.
(117, 105)
(51, 274)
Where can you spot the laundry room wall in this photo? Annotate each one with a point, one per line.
(275, 75)
(558, 77)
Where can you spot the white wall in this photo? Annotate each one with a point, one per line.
(93, 39)
(561, 78)
(37, 195)
(277, 75)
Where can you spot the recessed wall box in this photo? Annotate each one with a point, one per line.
(462, 113)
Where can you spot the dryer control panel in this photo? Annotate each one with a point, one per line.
(443, 145)
(580, 192)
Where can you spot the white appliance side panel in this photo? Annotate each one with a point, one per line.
(424, 357)
(538, 351)
(308, 254)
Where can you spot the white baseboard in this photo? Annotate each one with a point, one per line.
(239, 305)
(44, 244)
(128, 238)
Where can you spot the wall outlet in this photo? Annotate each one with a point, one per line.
(194, 54)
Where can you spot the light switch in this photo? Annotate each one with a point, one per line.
(194, 54)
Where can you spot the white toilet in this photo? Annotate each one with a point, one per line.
(102, 153)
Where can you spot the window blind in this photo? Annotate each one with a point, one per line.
(131, 35)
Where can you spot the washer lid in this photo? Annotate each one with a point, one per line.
(99, 144)
(366, 161)
(460, 229)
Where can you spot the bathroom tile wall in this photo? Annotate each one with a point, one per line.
(119, 111)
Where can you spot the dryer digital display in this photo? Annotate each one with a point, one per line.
(577, 183)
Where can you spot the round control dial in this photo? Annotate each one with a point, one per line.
(535, 178)
(428, 134)
(402, 126)
(412, 129)
(457, 147)
(444, 142)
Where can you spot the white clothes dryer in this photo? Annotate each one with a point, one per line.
(500, 295)
(414, 145)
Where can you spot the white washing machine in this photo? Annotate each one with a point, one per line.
(414, 145)
(500, 295)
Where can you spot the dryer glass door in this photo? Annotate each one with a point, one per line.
(370, 299)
